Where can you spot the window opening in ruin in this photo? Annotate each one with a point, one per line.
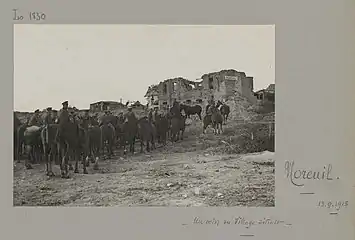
(199, 101)
(174, 86)
(165, 89)
(165, 103)
(210, 83)
(192, 86)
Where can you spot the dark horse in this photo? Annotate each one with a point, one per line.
(217, 120)
(146, 133)
(224, 109)
(191, 110)
(71, 144)
(177, 124)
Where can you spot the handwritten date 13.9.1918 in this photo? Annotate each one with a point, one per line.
(333, 204)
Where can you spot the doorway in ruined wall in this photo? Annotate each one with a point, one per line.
(174, 86)
(165, 89)
(210, 82)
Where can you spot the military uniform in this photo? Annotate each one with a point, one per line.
(85, 121)
(35, 121)
(155, 116)
(120, 118)
(130, 116)
(63, 119)
(176, 109)
(48, 118)
(150, 116)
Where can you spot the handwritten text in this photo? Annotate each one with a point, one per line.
(32, 16)
(241, 221)
(300, 174)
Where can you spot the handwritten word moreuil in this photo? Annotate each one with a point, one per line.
(301, 174)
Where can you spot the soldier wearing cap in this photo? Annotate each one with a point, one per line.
(120, 117)
(150, 115)
(35, 121)
(175, 109)
(85, 120)
(105, 119)
(130, 116)
(63, 118)
(48, 118)
(155, 115)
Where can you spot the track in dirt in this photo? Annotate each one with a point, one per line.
(180, 174)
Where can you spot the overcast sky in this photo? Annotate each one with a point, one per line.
(88, 63)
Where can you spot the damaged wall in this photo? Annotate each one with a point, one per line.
(220, 85)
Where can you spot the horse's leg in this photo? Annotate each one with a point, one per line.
(70, 159)
(64, 166)
(51, 157)
(142, 145)
(29, 155)
(50, 160)
(97, 154)
(46, 158)
(86, 161)
(133, 144)
(153, 142)
(147, 147)
(76, 155)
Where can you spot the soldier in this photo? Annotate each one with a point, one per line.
(176, 108)
(85, 120)
(35, 121)
(150, 115)
(155, 115)
(130, 116)
(120, 117)
(209, 106)
(105, 118)
(48, 118)
(63, 119)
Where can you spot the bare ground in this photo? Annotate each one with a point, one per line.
(180, 174)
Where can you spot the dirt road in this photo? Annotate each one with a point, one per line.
(183, 174)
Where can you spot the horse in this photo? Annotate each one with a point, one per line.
(49, 145)
(224, 109)
(177, 125)
(32, 141)
(162, 126)
(108, 134)
(146, 133)
(130, 130)
(191, 110)
(217, 120)
(70, 142)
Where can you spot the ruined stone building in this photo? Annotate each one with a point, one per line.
(217, 85)
(267, 94)
(106, 105)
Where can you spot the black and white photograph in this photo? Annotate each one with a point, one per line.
(144, 115)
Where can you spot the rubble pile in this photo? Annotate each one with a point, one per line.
(249, 138)
(241, 108)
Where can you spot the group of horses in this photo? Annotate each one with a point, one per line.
(88, 144)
